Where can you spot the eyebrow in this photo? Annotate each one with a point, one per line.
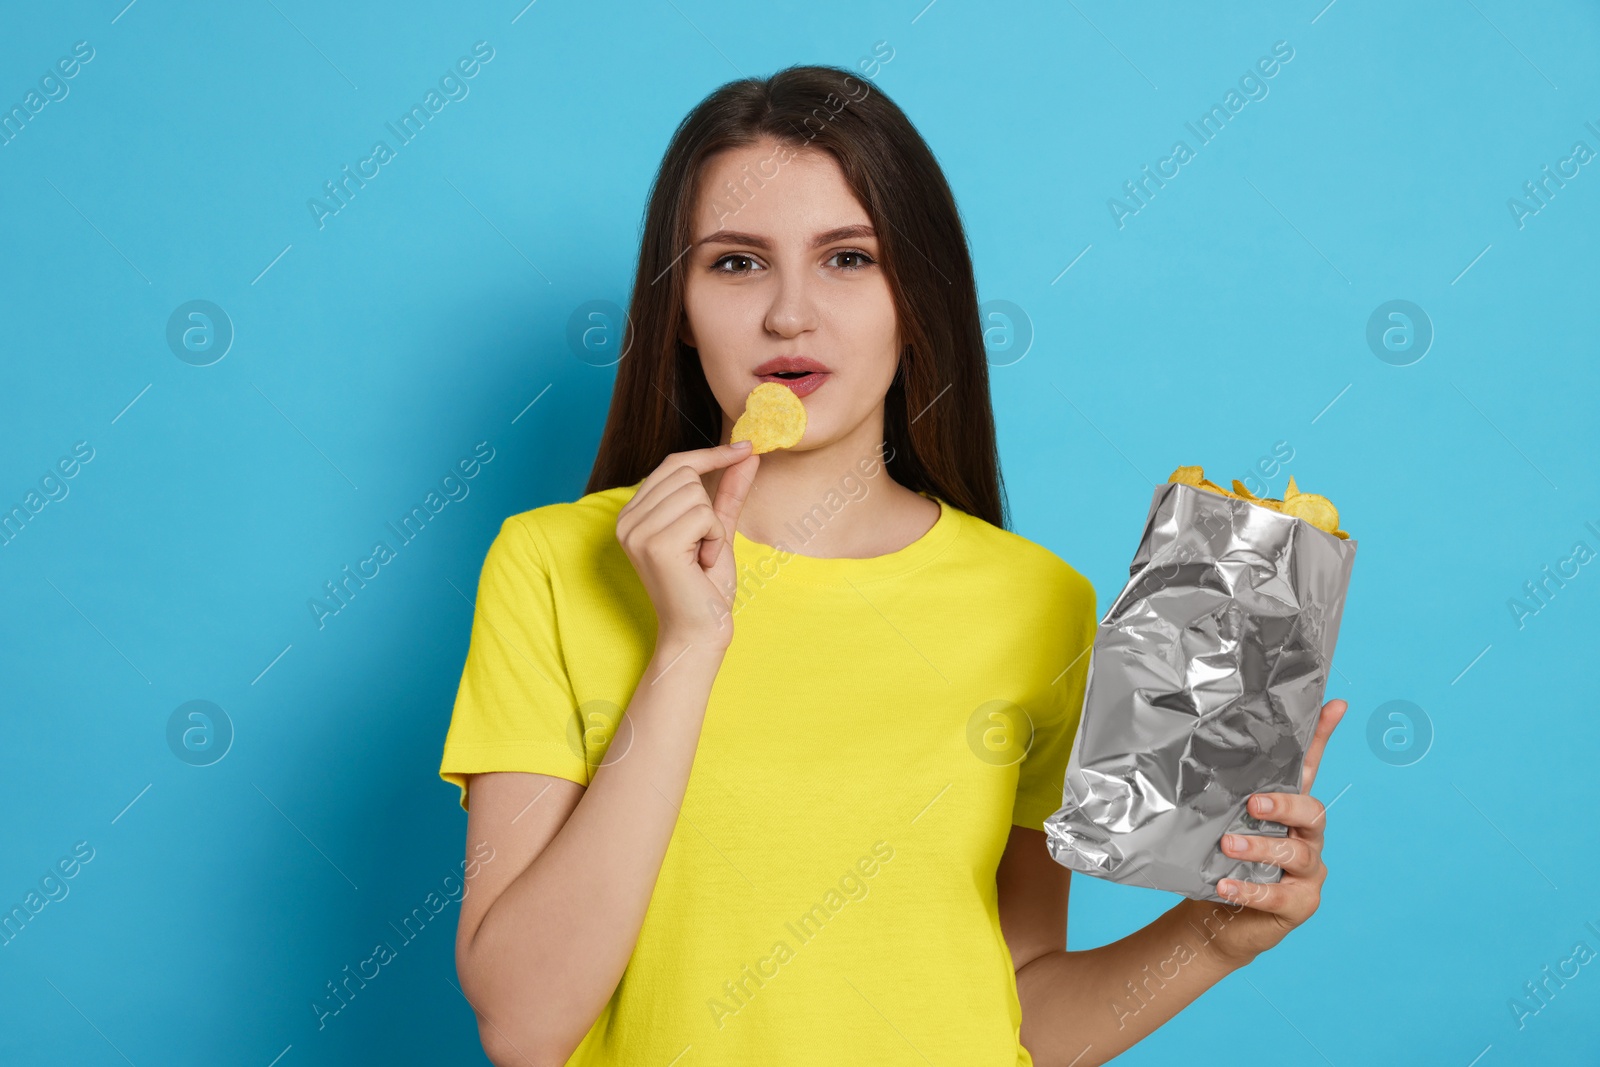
(734, 237)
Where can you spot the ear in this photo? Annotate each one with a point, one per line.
(685, 334)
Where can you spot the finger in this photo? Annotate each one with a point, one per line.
(1332, 712)
(1297, 810)
(692, 527)
(644, 501)
(732, 491)
(1295, 855)
(699, 460)
(679, 502)
(1294, 899)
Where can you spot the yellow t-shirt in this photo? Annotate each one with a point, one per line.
(828, 894)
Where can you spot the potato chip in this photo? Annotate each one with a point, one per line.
(1195, 476)
(1187, 476)
(773, 418)
(1243, 493)
(1312, 508)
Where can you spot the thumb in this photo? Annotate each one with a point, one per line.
(732, 490)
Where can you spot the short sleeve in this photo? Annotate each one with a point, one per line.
(514, 709)
(1042, 775)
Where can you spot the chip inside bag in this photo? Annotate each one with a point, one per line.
(1316, 509)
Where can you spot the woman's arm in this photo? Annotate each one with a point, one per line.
(541, 949)
(1083, 1008)
(553, 920)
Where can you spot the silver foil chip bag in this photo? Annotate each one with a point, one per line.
(1204, 687)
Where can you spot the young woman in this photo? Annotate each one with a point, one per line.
(760, 746)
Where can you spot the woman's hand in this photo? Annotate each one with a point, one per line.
(1272, 910)
(681, 543)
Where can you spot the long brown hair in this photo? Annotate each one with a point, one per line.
(938, 423)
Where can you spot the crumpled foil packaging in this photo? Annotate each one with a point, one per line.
(1204, 687)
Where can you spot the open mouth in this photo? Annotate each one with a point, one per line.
(803, 382)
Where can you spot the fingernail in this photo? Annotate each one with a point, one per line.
(1233, 842)
(742, 444)
(1263, 804)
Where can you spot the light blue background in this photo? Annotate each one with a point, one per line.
(1226, 316)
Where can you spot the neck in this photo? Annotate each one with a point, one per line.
(833, 501)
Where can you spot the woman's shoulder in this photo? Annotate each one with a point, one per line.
(581, 519)
(1025, 562)
(563, 529)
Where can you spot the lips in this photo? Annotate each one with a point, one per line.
(800, 373)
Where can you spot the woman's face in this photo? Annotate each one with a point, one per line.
(788, 266)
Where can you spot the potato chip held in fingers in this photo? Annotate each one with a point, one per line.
(773, 418)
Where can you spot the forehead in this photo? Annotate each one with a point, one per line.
(752, 189)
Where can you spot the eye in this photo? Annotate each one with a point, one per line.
(733, 257)
(862, 259)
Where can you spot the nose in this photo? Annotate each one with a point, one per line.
(794, 303)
